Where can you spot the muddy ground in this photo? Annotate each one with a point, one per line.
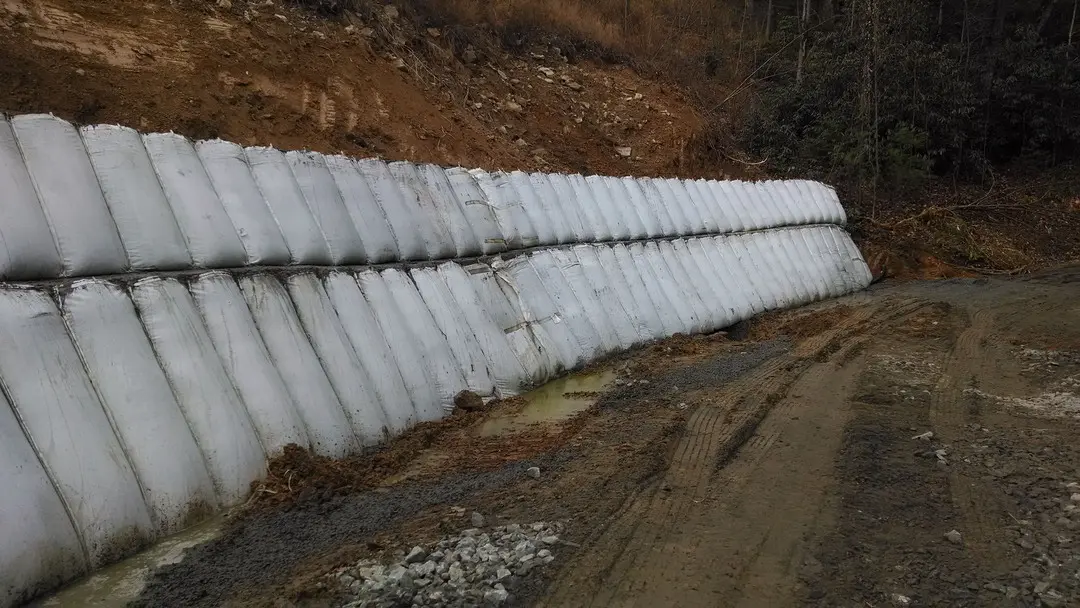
(824, 461)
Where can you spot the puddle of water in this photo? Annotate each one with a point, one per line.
(117, 585)
(557, 400)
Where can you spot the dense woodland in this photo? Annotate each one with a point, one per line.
(889, 93)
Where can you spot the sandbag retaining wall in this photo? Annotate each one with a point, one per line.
(136, 405)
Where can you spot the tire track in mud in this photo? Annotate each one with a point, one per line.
(639, 534)
(948, 415)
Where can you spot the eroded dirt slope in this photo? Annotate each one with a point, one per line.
(265, 73)
(914, 445)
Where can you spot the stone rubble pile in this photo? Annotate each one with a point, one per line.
(474, 568)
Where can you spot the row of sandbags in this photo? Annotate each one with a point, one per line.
(102, 200)
(131, 408)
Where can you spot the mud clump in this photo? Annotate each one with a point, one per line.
(468, 401)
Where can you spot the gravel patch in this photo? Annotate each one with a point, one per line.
(473, 568)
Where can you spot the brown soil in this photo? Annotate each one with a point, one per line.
(259, 73)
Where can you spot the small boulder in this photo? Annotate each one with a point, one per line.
(468, 401)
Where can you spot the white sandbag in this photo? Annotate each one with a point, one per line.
(644, 321)
(854, 263)
(569, 208)
(502, 362)
(734, 250)
(731, 204)
(451, 322)
(282, 194)
(778, 241)
(147, 227)
(793, 191)
(550, 202)
(607, 297)
(29, 251)
(52, 396)
(714, 316)
(826, 265)
(686, 286)
(530, 293)
(208, 232)
(829, 201)
(724, 224)
(610, 212)
(807, 263)
(781, 213)
(794, 212)
(513, 222)
(665, 280)
(372, 350)
(624, 205)
(407, 225)
(408, 353)
(450, 209)
(726, 303)
(596, 227)
(240, 347)
(324, 201)
(660, 315)
(746, 300)
(584, 291)
(349, 379)
(479, 212)
(226, 164)
(750, 216)
(437, 355)
(533, 348)
(40, 549)
(568, 306)
(295, 359)
(699, 202)
(138, 399)
(671, 221)
(648, 213)
(764, 260)
(367, 216)
(689, 220)
(536, 210)
(211, 405)
(436, 234)
(67, 187)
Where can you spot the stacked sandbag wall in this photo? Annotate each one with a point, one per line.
(174, 314)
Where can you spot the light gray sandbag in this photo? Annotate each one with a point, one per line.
(372, 349)
(644, 321)
(436, 234)
(662, 198)
(247, 362)
(452, 324)
(324, 201)
(206, 395)
(596, 227)
(549, 201)
(608, 297)
(531, 345)
(610, 212)
(208, 231)
(570, 208)
(625, 206)
(37, 524)
(513, 223)
(658, 315)
(140, 402)
(479, 211)
(366, 213)
(68, 190)
(295, 359)
(506, 370)
(282, 194)
(528, 292)
(144, 219)
(28, 250)
(537, 210)
(226, 164)
(408, 226)
(596, 312)
(568, 306)
(408, 353)
(60, 411)
(348, 377)
(437, 354)
(451, 209)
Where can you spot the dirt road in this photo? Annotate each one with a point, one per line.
(825, 461)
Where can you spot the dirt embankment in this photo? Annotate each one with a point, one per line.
(266, 73)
